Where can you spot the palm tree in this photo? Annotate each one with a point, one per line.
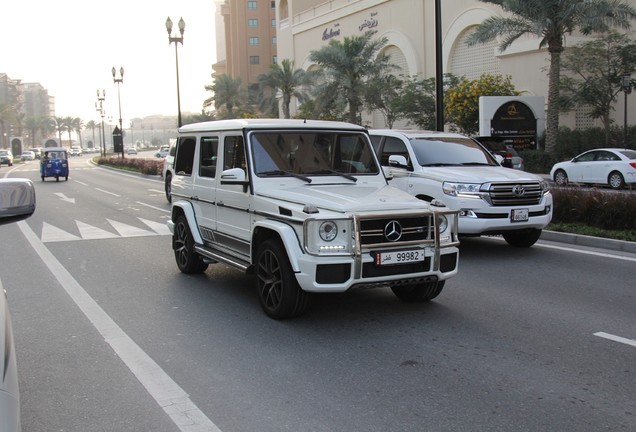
(78, 125)
(92, 126)
(551, 21)
(282, 81)
(227, 93)
(69, 127)
(60, 126)
(347, 66)
(7, 114)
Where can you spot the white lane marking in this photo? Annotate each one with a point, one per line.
(64, 197)
(171, 398)
(89, 232)
(126, 230)
(82, 183)
(157, 191)
(586, 252)
(107, 192)
(158, 227)
(51, 233)
(616, 338)
(152, 207)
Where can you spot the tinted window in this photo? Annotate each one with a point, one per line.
(450, 151)
(185, 156)
(586, 157)
(234, 152)
(207, 156)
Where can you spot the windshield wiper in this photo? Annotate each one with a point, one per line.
(340, 173)
(475, 163)
(439, 164)
(282, 173)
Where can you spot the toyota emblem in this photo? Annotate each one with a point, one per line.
(393, 231)
(518, 190)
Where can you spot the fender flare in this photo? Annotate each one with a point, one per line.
(186, 209)
(287, 236)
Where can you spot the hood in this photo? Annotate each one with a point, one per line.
(344, 198)
(476, 174)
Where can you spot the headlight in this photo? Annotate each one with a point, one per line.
(328, 231)
(471, 190)
(328, 237)
(442, 221)
(545, 186)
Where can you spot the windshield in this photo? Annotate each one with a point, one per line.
(450, 151)
(311, 153)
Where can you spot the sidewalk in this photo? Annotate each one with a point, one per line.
(583, 240)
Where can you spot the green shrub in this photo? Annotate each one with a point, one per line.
(143, 166)
(595, 208)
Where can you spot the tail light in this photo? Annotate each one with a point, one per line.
(633, 164)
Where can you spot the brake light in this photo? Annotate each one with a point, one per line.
(633, 164)
(509, 155)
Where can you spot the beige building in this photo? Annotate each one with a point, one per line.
(248, 30)
(409, 26)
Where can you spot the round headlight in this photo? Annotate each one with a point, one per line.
(443, 222)
(328, 231)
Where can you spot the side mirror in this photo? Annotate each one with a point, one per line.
(17, 199)
(388, 172)
(398, 161)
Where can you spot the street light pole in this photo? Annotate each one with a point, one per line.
(626, 84)
(118, 81)
(176, 40)
(100, 109)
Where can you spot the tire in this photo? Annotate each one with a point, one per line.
(560, 178)
(522, 238)
(616, 180)
(278, 291)
(188, 261)
(57, 178)
(418, 293)
(168, 187)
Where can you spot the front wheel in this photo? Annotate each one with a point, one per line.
(278, 291)
(615, 180)
(188, 260)
(522, 238)
(418, 293)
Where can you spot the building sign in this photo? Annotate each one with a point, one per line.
(513, 118)
(331, 32)
(369, 23)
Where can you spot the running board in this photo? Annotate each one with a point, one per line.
(221, 257)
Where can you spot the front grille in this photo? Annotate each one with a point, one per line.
(413, 229)
(515, 194)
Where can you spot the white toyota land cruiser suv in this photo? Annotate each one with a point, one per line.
(460, 172)
(305, 207)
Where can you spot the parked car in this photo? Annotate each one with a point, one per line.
(608, 166)
(75, 151)
(461, 173)
(167, 171)
(27, 155)
(504, 152)
(6, 157)
(304, 206)
(17, 203)
(164, 150)
(131, 151)
(37, 152)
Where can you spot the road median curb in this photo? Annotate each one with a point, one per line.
(583, 240)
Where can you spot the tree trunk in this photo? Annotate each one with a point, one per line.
(552, 121)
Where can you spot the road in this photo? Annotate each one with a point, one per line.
(111, 337)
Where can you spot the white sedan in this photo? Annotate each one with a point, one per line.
(609, 166)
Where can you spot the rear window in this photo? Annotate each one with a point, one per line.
(631, 154)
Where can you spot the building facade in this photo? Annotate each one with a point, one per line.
(249, 32)
(409, 27)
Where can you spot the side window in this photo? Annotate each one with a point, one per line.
(375, 140)
(394, 146)
(207, 156)
(234, 152)
(185, 156)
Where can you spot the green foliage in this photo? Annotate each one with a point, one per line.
(461, 104)
(140, 165)
(594, 208)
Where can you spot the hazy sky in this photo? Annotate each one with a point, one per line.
(70, 47)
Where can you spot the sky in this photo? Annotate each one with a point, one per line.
(71, 46)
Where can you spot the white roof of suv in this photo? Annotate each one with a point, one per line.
(267, 124)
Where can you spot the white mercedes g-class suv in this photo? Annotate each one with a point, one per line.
(305, 207)
(460, 172)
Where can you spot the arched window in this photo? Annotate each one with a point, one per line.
(476, 60)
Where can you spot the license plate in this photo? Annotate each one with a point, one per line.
(398, 257)
(519, 215)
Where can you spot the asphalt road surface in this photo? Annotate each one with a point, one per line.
(112, 337)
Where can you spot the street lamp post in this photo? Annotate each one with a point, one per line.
(176, 40)
(626, 84)
(99, 106)
(118, 81)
